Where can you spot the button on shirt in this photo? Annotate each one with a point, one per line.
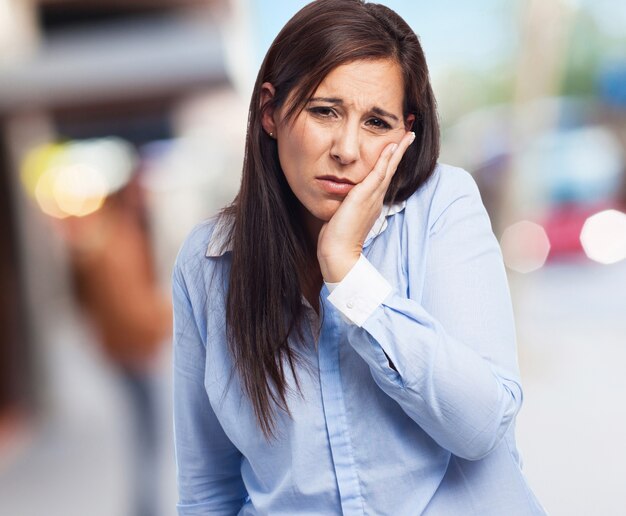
(409, 384)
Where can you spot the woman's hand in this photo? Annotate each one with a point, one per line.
(341, 239)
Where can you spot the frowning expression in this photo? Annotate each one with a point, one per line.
(335, 141)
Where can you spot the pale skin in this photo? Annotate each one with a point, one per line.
(339, 155)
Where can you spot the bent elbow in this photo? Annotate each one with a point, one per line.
(487, 440)
(475, 453)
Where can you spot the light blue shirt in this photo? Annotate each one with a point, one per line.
(433, 436)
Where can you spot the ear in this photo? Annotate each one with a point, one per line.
(267, 112)
(409, 121)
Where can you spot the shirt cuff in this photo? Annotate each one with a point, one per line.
(360, 292)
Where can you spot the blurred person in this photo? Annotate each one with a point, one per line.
(343, 333)
(115, 284)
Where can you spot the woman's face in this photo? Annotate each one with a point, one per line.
(337, 138)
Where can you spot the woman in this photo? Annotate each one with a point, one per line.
(397, 392)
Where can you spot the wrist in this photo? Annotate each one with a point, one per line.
(335, 269)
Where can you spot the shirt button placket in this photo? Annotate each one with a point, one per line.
(335, 415)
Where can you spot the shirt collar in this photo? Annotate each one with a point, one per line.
(380, 224)
(220, 245)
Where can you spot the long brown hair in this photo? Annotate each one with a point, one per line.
(264, 311)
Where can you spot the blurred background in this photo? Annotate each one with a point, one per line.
(122, 125)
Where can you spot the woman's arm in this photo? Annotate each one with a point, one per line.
(208, 465)
(453, 352)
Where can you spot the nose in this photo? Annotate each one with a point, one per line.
(345, 148)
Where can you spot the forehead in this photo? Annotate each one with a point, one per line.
(366, 83)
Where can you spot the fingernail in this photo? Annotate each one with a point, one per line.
(394, 147)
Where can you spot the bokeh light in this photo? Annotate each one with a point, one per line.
(603, 237)
(79, 189)
(74, 178)
(37, 162)
(43, 193)
(525, 246)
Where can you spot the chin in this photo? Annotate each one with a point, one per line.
(326, 211)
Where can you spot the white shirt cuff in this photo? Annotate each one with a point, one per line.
(360, 292)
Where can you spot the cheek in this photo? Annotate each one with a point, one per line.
(374, 149)
(290, 160)
(300, 147)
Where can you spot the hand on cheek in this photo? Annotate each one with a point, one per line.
(341, 239)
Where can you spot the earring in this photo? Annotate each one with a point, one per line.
(271, 135)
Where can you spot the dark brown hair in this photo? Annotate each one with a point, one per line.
(264, 312)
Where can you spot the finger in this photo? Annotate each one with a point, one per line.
(377, 181)
(382, 164)
(390, 158)
(395, 158)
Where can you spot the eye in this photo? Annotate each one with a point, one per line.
(322, 111)
(378, 123)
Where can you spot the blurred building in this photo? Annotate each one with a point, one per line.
(76, 70)
(147, 86)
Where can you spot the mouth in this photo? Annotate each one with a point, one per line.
(335, 185)
(336, 179)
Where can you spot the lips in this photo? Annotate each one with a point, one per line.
(336, 179)
(335, 185)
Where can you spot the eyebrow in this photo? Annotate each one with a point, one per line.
(375, 109)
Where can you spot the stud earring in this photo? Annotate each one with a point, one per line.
(271, 135)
